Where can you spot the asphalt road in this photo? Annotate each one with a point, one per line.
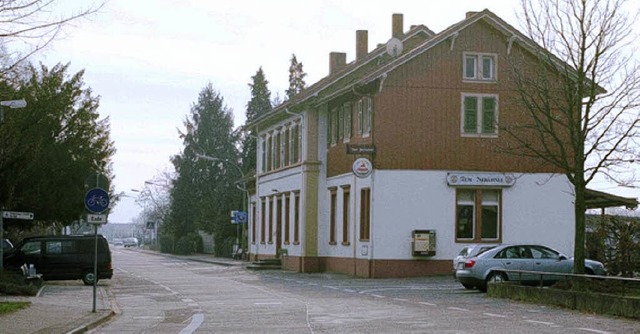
(158, 294)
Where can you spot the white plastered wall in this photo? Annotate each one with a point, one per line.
(538, 208)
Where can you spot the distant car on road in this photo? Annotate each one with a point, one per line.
(491, 266)
(130, 242)
(118, 242)
(468, 251)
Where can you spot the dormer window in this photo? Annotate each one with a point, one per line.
(479, 67)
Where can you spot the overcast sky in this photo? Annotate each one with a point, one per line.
(149, 59)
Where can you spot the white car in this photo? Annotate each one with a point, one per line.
(468, 251)
(130, 242)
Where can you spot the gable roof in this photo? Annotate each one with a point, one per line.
(376, 64)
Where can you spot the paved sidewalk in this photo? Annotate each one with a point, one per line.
(66, 306)
(60, 307)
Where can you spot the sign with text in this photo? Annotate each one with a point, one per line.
(360, 149)
(97, 219)
(17, 215)
(480, 179)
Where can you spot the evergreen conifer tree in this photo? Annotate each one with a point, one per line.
(200, 182)
(259, 105)
(296, 77)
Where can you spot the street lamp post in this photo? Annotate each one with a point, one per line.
(243, 189)
(13, 104)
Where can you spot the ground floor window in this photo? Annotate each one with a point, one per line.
(346, 213)
(296, 218)
(478, 215)
(365, 218)
(333, 212)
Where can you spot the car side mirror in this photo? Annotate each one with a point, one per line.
(562, 258)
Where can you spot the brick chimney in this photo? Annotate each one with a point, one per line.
(396, 26)
(337, 60)
(362, 43)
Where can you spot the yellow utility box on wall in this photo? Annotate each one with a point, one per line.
(424, 243)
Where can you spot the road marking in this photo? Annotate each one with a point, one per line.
(540, 322)
(495, 315)
(196, 321)
(331, 287)
(428, 304)
(348, 290)
(378, 296)
(458, 309)
(594, 331)
(271, 303)
(401, 299)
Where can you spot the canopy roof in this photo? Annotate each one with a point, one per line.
(600, 200)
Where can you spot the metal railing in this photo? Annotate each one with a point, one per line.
(566, 276)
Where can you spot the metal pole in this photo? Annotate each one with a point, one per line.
(2, 241)
(95, 266)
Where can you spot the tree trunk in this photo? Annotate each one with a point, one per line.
(580, 208)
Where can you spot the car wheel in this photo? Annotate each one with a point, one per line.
(495, 277)
(468, 286)
(88, 278)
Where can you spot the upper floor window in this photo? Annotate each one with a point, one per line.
(479, 114)
(479, 66)
(364, 108)
(346, 111)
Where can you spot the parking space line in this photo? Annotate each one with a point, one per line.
(495, 315)
(594, 331)
(401, 299)
(540, 322)
(377, 296)
(458, 309)
(425, 303)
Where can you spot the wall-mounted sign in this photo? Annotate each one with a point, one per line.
(360, 149)
(362, 167)
(480, 179)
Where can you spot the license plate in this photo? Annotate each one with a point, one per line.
(460, 266)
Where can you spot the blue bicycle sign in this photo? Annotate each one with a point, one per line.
(96, 200)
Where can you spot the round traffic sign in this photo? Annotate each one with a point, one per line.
(96, 200)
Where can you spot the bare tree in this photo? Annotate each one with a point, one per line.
(28, 26)
(581, 100)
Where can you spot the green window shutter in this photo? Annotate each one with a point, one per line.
(488, 115)
(470, 114)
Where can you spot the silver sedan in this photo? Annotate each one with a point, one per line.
(494, 265)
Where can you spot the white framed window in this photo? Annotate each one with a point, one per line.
(346, 110)
(479, 66)
(367, 113)
(479, 115)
